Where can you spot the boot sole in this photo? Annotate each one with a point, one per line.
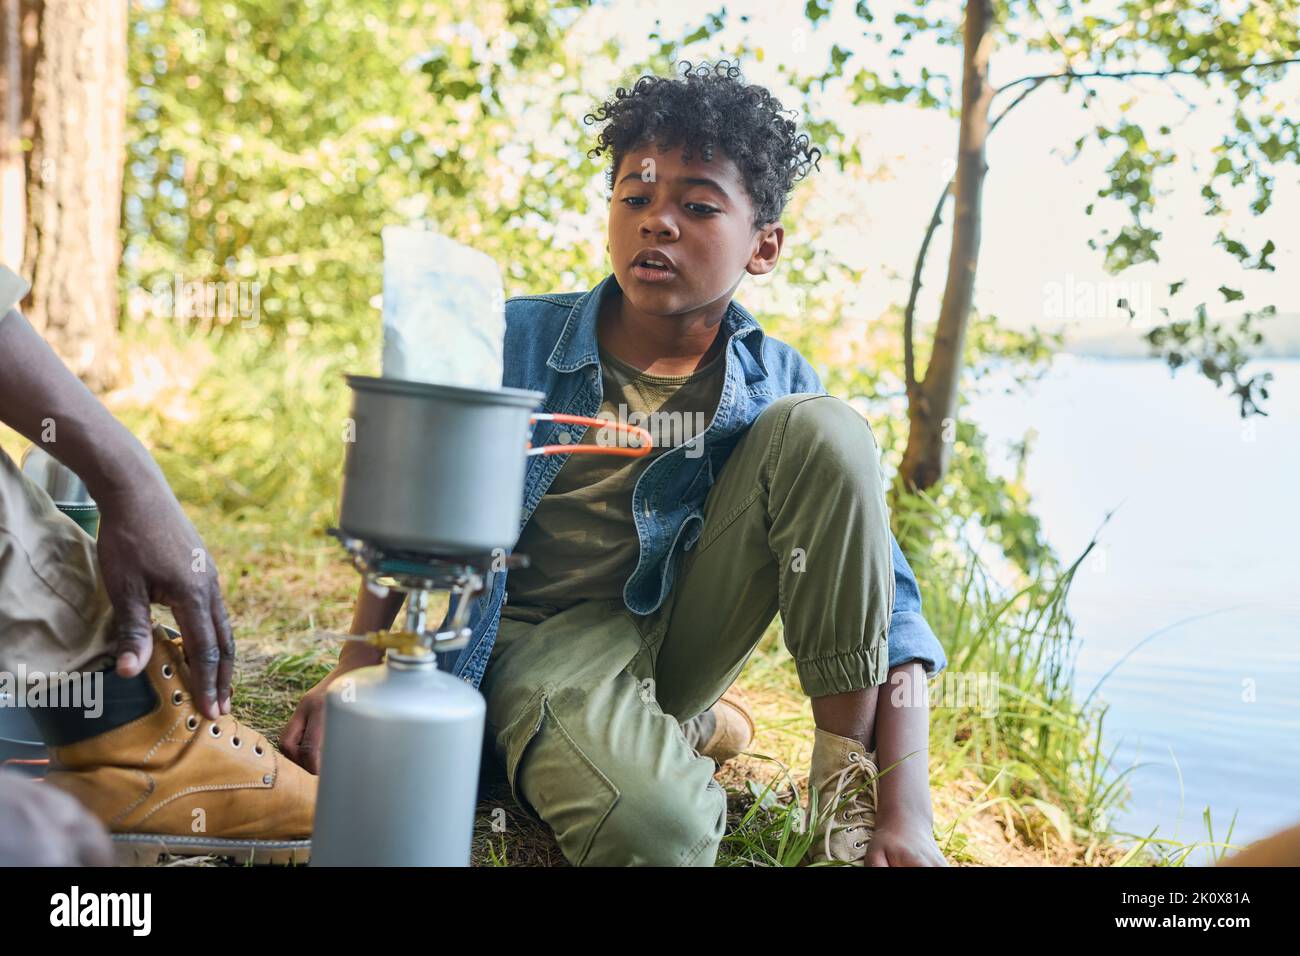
(145, 849)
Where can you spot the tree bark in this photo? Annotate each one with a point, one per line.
(933, 405)
(61, 209)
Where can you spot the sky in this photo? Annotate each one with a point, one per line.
(1034, 252)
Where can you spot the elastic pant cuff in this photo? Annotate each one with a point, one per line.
(862, 667)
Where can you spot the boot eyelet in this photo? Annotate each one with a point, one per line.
(236, 742)
(177, 697)
(257, 749)
(214, 730)
(192, 722)
(167, 670)
(858, 846)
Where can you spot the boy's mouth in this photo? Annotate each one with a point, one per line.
(651, 265)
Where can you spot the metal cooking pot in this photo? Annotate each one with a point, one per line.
(438, 469)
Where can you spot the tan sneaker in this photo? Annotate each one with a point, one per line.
(733, 728)
(843, 776)
(165, 779)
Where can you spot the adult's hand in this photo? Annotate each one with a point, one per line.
(43, 826)
(149, 553)
(148, 550)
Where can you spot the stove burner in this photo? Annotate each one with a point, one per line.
(418, 573)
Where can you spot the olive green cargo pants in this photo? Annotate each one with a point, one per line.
(585, 708)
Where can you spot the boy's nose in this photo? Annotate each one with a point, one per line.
(666, 230)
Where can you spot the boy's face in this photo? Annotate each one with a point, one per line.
(700, 216)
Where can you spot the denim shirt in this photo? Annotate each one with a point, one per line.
(550, 347)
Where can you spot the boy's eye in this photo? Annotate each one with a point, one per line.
(698, 208)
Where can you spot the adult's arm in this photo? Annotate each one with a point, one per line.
(148, 550)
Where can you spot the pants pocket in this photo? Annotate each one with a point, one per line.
(575, 797)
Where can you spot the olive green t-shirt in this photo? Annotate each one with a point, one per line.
(581, 540)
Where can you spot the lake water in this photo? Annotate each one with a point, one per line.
(1205, 549)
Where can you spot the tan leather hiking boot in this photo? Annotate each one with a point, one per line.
(843, 776)
(172, 781)
(722, 731)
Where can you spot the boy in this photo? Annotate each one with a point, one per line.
(652, 579)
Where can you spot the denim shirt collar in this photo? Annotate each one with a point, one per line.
(577, 346)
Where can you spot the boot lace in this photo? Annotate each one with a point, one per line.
(855, 786)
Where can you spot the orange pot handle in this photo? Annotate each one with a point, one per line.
(643, 437)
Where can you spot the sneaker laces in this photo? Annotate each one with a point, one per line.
(858, 779)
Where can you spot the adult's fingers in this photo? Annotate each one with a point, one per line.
(202, 653)
(133, 632)
(226, 644)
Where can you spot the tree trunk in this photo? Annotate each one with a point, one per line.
(60, 208)
(932, 407)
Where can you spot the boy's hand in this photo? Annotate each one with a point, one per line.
(907, 840)
(303, 735)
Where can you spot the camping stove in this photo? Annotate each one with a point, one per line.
(419, 514)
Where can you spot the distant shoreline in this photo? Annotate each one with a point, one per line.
(1281, 341)
(1102, 357)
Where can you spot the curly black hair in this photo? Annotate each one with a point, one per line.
(708, 108)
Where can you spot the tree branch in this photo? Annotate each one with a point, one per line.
(1125, 74)
(909, 313)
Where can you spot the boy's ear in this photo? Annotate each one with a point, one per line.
(768, 250)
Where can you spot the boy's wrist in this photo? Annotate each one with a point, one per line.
(359, 654)
(904, 808)
(910, 818)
